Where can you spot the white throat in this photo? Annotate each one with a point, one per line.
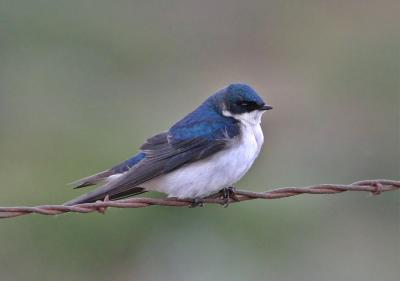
(248, 118)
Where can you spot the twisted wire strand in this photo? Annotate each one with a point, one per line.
(373, 186)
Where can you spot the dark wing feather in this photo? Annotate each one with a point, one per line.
(92, 180)
(154, 166)
(166, 152)
(117, 169)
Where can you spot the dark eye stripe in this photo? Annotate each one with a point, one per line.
(249, 106)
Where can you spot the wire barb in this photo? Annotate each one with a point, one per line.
(375, 187)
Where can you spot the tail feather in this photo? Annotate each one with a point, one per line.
(92, 180)
(101, 194)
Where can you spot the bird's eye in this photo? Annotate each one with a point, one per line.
(246, 104)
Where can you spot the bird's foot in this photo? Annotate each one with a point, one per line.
(196, 202)
(227, 194)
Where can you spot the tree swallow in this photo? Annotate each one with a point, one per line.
(208, 150)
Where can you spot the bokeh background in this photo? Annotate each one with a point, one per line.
(83, 83)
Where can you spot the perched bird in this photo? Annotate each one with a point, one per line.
(207, 151)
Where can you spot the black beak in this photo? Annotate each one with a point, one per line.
(265, 107)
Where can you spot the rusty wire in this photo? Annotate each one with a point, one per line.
(373, 186)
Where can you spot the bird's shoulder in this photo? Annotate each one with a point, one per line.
(192, 130)
(205, 124)
(195, 137)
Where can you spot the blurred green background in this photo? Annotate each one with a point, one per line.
(83, 83)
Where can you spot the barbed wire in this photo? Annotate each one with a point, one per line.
(373, 186)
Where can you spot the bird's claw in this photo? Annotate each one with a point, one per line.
(196, 202)
(228, 193)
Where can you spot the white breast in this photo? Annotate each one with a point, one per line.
(221, 170)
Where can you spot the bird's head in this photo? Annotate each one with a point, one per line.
(240, 102)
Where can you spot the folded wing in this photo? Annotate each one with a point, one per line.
(184, 143)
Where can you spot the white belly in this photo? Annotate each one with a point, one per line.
(208, 176)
